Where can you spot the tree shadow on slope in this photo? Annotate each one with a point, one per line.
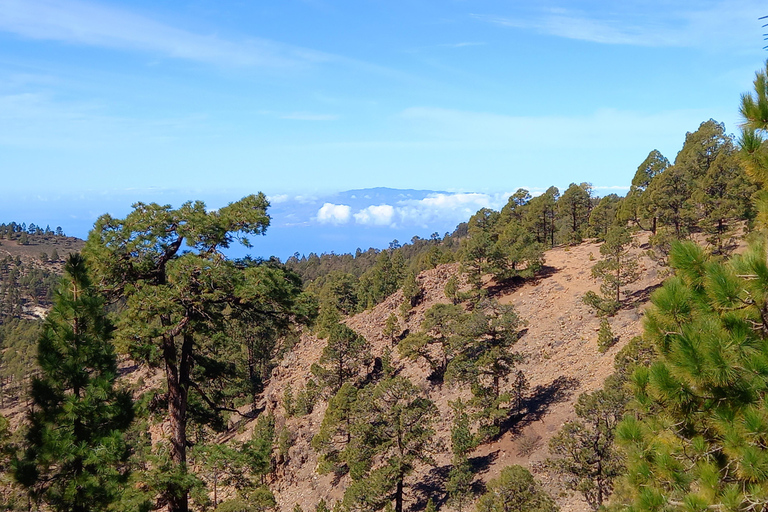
(640, 297)
(536, 405)
(507, 286)
(432, 486)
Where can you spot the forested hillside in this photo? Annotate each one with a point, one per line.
(514, 364)
(31, 260)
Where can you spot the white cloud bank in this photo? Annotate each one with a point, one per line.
(380, 215)
(435, 209)
(331, 213)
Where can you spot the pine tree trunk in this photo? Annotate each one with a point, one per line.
(399, 495)
(177, 377)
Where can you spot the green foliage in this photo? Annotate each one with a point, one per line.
(412, 292)
(260, 500)
(18, 358)
(485, 361)
(24, 282)
(289, 406)
(257, 453)
(463, 441)
(515, 490)
(697, 429)
(336, 430)
(339, 290)
(616, 269)
(306, 398)
(470, 347)
(501, 244)
(381, 280)
(584, 449)
(603, 216)
(221, 465)
(392, 328)
(574, 208)
(236, 466)
(285, 440)
(343, 357)
(452, 289)
(540, 216)
(518, 393)
(637, 206)
(477, 248)
(705, 190)
(638, 353)
(12, 496)
(439, 329)
(173, 300)
(390, 422)
(75, 449)
(605, 337)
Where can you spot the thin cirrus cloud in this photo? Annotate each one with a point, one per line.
(36, 120)
(460, 128)
(660, 25)
(89, 24)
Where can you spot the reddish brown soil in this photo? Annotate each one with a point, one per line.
(561, 362)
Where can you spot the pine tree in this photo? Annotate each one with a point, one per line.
(175, 299)
(75, 448)
(463, 441)
(573, 209)
(392, 328)
(637, 206)
(584, 449)
(438, 330)
(336, 431)
(452, 289)
(617, 269)
(343, 357)
(515, 490)
(477, 248)
(395, 427)
(696, 438)
(605, 337)
(484, 359)
(541, 215)
(604, 216)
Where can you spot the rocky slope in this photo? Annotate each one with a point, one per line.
(561, 362)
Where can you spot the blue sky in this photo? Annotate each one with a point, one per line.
(106, 103)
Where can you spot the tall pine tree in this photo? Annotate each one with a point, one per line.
(75, 447)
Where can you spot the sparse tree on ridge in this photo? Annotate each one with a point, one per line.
(617, 269)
